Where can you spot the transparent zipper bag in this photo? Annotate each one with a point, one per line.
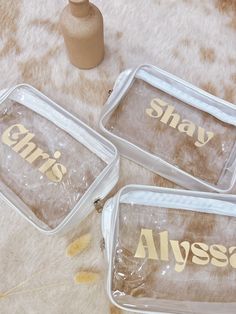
(172, 128)
(53, 167)
(171, 251)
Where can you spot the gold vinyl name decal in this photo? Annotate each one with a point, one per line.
(159, 109)
(200, 253)
(19, 139)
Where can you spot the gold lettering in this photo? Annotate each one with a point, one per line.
(31, 152)
(173, 119)
(36, 154)
(148, 248)
(9, 139)
(232, 258)
(201, 137)
(181, 259)
(57, 173)
(219, 257)
(169, 114)
(187, 127)
(50, 162)
(200, 251)
(156, 111)
(47, 165)
(164, 245)
(25, 142)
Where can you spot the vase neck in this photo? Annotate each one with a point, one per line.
(79, 8)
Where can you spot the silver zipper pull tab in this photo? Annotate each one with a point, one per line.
(98, 205)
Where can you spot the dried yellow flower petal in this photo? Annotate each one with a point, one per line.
(78, 245)
(2, 295)
(84, 277)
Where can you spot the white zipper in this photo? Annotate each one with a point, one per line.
(188, 203)
(190, 100)
(127, 77)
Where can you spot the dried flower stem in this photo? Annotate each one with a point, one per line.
(44, 287)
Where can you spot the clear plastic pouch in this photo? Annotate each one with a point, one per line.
(173, 128)
(171, 251)
(53, 167)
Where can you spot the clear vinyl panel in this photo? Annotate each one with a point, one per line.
(43, 166)
(173, 261)
(182, 135)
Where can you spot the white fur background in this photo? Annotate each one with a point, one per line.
(195, 40)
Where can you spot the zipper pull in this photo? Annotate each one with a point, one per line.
(98, 205)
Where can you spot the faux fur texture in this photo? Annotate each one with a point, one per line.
(193, 39)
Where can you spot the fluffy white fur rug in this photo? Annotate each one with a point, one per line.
(193, 39)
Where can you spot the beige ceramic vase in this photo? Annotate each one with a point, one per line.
(82, 27)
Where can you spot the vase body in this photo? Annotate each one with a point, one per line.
(82, 28)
